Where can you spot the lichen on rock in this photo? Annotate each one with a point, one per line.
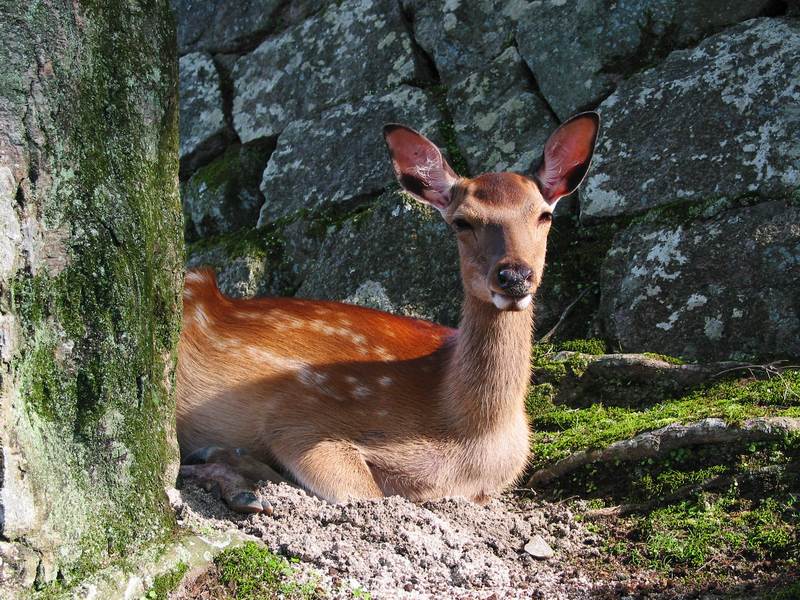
(716, 120)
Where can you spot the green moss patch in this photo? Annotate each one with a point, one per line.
(167, 582)
(559, 431)
(698, 515)
(252, 572)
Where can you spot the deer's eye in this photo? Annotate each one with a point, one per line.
(461, 225)
(546, 217)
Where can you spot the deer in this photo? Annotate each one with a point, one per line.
(348, 402)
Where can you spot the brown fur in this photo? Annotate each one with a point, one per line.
(354, 402)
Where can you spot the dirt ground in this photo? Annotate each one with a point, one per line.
(451, 548)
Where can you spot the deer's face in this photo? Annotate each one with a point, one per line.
(501, 219)
(501, 223)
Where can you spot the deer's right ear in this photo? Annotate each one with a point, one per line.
(419, 165)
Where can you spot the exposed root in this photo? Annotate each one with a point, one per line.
(683, 492)
(658, 443)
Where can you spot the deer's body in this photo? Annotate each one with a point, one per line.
(354, 402)
(285, 378)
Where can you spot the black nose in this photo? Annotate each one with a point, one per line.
(514, 280)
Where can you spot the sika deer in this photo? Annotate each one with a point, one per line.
(355, 403)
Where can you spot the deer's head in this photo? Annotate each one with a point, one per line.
(501, 220)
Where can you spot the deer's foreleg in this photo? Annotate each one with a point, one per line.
(333, 470)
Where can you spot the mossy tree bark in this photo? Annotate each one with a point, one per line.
(90, 276)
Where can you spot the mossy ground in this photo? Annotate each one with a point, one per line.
(704, 512)
(252, 572)
(165, 583)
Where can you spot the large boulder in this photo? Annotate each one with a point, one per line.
(463, 36)
(500, 122)
(224, 26)
(204, 132)
(340, 158)
(580, 51)
(350, 50)
(726, 285)
(90, 284)
(399, 256)
(718, 120)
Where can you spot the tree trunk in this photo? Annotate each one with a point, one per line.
(90, 277)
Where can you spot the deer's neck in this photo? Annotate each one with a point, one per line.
(489, 368)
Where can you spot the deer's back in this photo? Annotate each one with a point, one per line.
(252, 370)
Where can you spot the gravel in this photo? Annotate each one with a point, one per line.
(394, 548)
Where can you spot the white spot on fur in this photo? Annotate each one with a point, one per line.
(384, 354)
(200, 316)
(194, 277)
(311, 378)
(385, 381)
(361, 392)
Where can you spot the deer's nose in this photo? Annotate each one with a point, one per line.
(514, 280)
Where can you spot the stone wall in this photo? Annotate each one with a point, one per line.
(91, 255)
(685, 239)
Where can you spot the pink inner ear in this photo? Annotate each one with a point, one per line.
(567, 154)
(420, 166)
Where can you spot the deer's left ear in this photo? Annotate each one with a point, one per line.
(567, 155)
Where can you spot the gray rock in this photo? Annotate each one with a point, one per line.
(302, 239)
(500, 123)
(718, 120)
(18, 565)
(371, 294)
(462, 36)
(224, 26)
(726, 286)
(401, 246)
(202, 117)
(579, 51)
(352, 49)
(341, 156)
(538, 548)
(242, 271)
(224, 195)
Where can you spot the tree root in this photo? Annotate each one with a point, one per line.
(658, 443)
(684, 492)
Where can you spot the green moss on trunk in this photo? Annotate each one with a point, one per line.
(95, 368)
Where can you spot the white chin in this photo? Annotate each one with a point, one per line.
(503, 302)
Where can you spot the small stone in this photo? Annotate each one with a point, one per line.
(538, 548)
